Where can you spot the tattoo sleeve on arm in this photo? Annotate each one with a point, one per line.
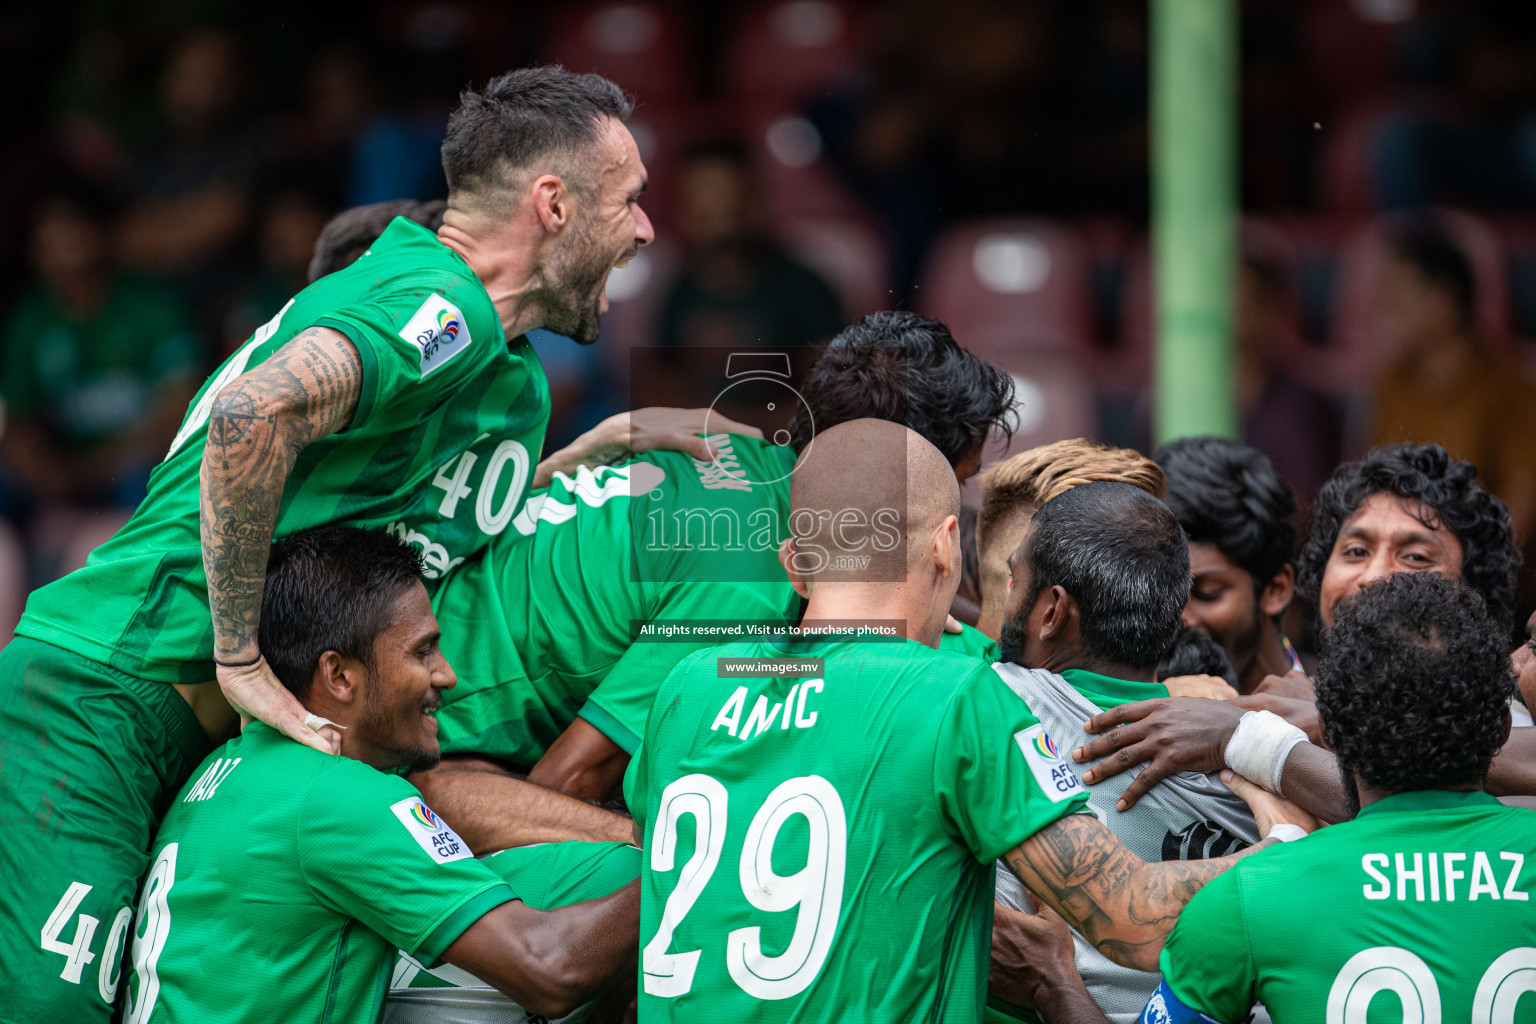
(1120, 903)
(257, 427)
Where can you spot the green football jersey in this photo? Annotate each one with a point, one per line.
(440, 451)
(972, 641)
(544, 876)
(820, 848)
(285, 881)
(1418, 910)
(547, 623)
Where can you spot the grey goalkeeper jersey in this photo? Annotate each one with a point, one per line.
(455, 997)
(1188, 816)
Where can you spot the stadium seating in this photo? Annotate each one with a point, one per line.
(640, 45)
(784, 50)
(1011, 286)
(1054, 401)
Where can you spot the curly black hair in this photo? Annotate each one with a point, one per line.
(1229, 495)
(1413, 683)
(1447, 493)
(1195, 653)
(907, 368)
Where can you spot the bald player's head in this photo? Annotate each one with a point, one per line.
(872, 504)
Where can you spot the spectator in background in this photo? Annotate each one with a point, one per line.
(1444, 383)
(98, 367)
(1295, 426)
(190, 183)
(290, 221)
(737, 287)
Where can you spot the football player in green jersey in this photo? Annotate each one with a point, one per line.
(1420, 908)
(601, 554)
(843, 797)
(544, 876)
(396, 394)
(286, 880)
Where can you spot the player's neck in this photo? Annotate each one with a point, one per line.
(505, 265)
(896, 605)
(1065, 658)
(1370, 794)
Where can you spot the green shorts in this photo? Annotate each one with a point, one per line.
(89, 760)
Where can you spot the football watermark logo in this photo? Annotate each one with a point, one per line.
(727, 518)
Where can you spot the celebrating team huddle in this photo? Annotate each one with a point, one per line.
(372, 713)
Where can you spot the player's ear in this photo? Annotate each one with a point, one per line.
(552, 202)
(1060, 610)
(1275, 598)
(337, 678)
(787, 560)
(946, 547)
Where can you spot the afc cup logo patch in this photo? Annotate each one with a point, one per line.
(431, 833)
(1055, 777)
(438, 331)
(1045, 745)
(426, 817)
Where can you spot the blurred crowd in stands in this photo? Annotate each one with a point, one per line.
(984, 161)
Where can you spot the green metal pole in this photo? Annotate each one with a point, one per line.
(1194, 215)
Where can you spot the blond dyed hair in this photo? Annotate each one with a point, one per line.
(1014, 489)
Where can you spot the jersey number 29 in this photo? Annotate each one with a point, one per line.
(816, 889)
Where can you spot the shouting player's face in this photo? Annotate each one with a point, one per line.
(399, 714)
(609, 227)
(1383, 537)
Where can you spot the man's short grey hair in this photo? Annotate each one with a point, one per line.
(528, 117)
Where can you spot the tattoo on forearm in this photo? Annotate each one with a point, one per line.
(1120, 903)
(259, 424)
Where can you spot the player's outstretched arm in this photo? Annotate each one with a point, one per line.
(551, 962)
(492, 810)
(257, 427)
(1121, 904)
(641, 430)
(583, 763)
(1175, 734)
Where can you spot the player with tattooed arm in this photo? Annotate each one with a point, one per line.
(820, 813)
(398, 394)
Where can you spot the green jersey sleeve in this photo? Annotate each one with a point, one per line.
(996, 774)
(419, 345)
(550, 875)
(370, 848)
(1207, 961)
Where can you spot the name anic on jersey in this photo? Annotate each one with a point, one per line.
(1441, 875)
(788, 712)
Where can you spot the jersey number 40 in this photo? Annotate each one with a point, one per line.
(816, 889)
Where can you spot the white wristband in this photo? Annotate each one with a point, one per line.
(1286, 832)
(1258, 749)
(317, 723)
